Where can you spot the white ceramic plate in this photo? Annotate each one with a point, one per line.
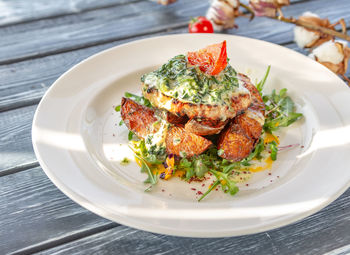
(79, 144)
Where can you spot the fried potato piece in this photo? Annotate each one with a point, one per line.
(137, 118)
(179, 140)
(205, 127)
(235, 143)
(140, 119)
(256, 101)
(174, 119)
(242, 134)
(207, 111)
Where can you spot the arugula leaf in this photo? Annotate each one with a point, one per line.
(209, 190)
(227, 184)
(280, 110)
(117, 108)
(274, 150)
(255, 153)
(121, 123)
(261, 84)
(152, 178)
(200, 168)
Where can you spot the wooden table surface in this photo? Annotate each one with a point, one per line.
(39, 41)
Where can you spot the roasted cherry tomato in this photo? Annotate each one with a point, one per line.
(211, 60)
(200, 25)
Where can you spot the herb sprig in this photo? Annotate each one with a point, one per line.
(280, 111)
(138, 99)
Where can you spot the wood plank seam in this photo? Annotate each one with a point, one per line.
(19, 168)
(50, 244)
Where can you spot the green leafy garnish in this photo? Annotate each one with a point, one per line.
(255, 153)
(130, 135)
(117, 108)
(261, 84)
(125, 161)
(280, 111)
(152, 178)
(227, 184)
(138, 99)
(273, 148)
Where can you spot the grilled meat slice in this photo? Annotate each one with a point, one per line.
(179, 140)
(240, 102)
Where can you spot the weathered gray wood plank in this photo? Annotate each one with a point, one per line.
(24, 83)
(320, 233)
(94, 27)
(34, 212)
(106, 25)
(15, 138)
(19, 11)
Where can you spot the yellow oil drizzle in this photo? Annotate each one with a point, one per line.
(268, 164)
(270, 138)
(159, 169)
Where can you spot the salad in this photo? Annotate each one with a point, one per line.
(197, 116)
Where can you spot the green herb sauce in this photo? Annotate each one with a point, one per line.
(186, 83)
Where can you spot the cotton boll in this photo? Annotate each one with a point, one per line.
(333, 55)
(303, 37)
(222, 13)
(328, 52)
(310, 14)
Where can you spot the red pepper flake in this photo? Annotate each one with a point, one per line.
(210, 174)
(199, 192)
(269, 173)
(163, 190)
(203, 185)
(113, 134)
(240, 178)
(193, 189)
(270, 180)
(302, 146)
(247, 185)
(216, 189)
(244, 172)
(278, 176)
